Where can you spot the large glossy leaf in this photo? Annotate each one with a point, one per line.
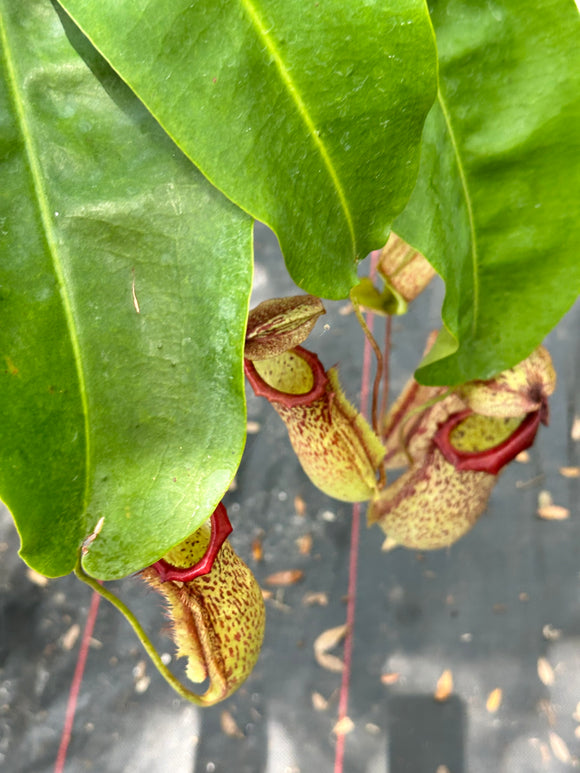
(497, 206)
(121, 392)
(306, 114)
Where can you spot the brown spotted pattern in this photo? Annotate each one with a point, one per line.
(335, 445)
(432, 504)
(521, 389)
(408, 431)
(279, 324)
(218, 619)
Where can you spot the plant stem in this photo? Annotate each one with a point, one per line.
(386, 362)
(378, 354)
(141, 635)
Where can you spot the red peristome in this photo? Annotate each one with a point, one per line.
(288, 400)
(492, 459)
(221, 528)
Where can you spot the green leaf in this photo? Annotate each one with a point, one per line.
(307, 115)
(496, 208)
(124, 284)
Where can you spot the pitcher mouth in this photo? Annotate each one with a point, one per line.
(289, 399)
(221, 528)
(493, 459)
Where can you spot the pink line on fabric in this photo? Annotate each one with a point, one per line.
(76, 684)
(353, 557)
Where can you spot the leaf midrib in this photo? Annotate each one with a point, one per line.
(270, 46)
(51, 241)
(469, 205)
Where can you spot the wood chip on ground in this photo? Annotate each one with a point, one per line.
(304, 544)
(494, 700)
(344, 726)
(553, 513)
(257, 549)
(315, 598)
(570, 472)
(319, 702)
(326, 641)
(392, 677)
(559, 748)
(229, 725)
(286, 577)
(299, 505)
(69, 639)
(444, 686)
(545, 672)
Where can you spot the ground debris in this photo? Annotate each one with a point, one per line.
(315, 598)
(494, 700)
(304, 544)
(285, 577)
(319, 702)
(299, 505)
(257, 549)
(444, 686)
(545, 672)
(69, 638)
(344, 726)
(392, 677)
(559, 748)
(37, 578)
(229, 725)
(570, 472)
(326, 641)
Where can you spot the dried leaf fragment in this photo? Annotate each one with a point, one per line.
(550, 633)
(553, 513)
(304, 544)
(344, 726)
(319, 702)
(559, 748)
(544, 499)
(545, 672)
(285, 577)
(69, 639)
(299, 505)
(444, 686)
(570, 472)
(37, 578)
(494, 700)
(325, 642)
(229, 725)
(314, 598)
(257, 549)
(142, 684)
(392, 677)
